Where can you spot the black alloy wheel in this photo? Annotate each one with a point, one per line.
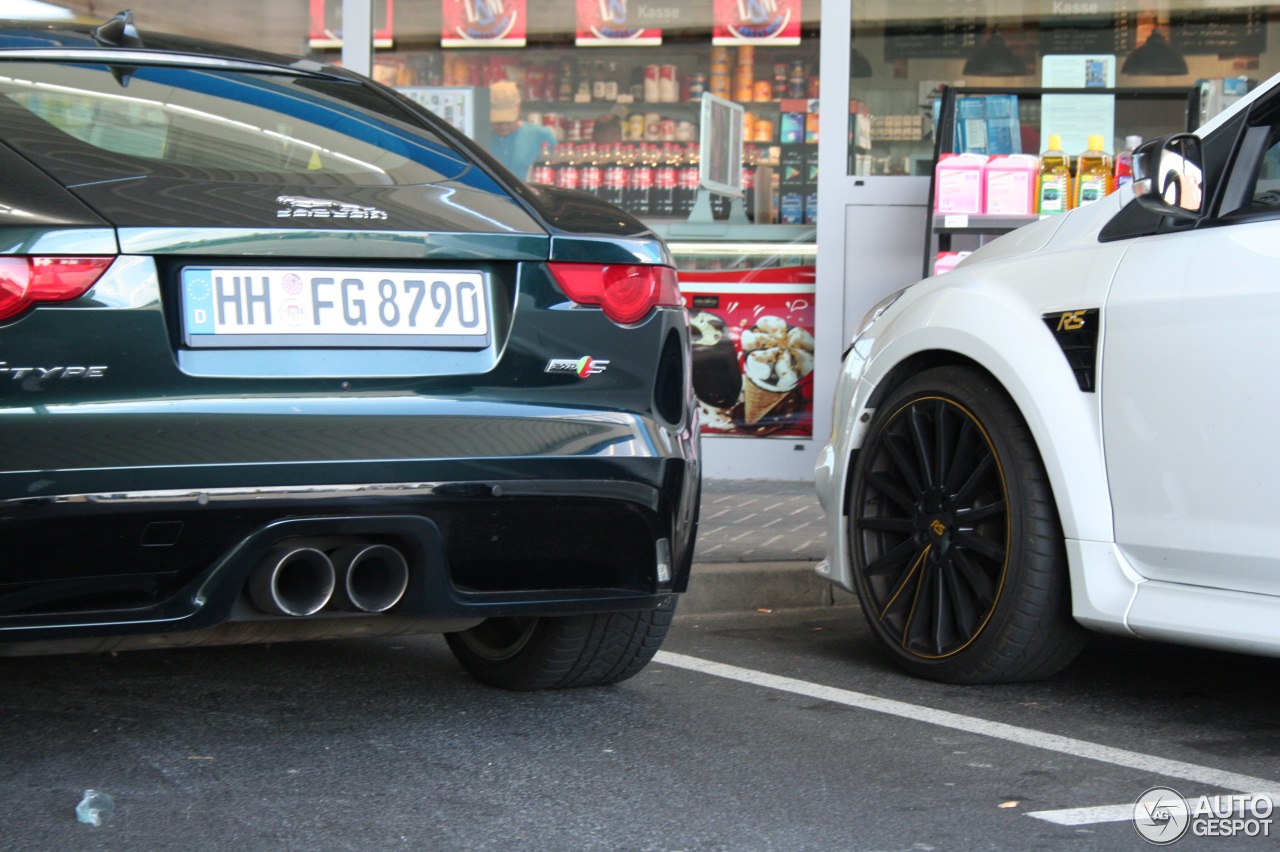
(955, 542)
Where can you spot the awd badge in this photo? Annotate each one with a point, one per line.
(582, 367)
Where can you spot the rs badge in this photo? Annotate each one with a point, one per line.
(1072, 320)
(582, 367)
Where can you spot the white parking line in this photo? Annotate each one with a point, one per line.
(1155, 766)
(1086, 816)
(1121, 813)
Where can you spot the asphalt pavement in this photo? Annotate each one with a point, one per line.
(758, 543)
(771, 731)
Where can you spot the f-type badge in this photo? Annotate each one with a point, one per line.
(582, 367)
(35, 377)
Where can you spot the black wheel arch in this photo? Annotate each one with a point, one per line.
(911, 367)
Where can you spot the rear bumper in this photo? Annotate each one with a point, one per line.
(530, 539)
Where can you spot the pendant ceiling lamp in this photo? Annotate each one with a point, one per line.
(995, 59)
(1156, 57)
(858, 64)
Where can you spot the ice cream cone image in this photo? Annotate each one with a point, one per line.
(758, 402)
(777, 357)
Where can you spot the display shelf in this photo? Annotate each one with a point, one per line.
(766, 114)
(606, 106)
(550, 75)
(683, 231)
(973, 223)
(1132, 106)
(693, 104)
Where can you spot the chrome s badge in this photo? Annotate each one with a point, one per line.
(301, 207)
(582, 367)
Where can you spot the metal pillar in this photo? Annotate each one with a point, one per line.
(357, 36)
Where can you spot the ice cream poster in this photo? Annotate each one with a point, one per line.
(609, 22)
(739, 22)
(484, 23)
(752, 352)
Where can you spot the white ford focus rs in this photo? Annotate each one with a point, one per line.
(1075, 429)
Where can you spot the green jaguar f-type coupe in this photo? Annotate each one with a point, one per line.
(283, 356)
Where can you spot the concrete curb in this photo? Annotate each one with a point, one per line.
(749, 586)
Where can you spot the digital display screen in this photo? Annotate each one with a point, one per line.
(720, 169)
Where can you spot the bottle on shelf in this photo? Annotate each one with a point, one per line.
(611, 83)
(687, 181)
(1124, 161)
(550, 82)
(797, 79)
(589, 170)
(1053, 180)
(544, 171)
(1093, 173)
(613, 180)
(568, 175)
(780, 81)
(597, 81)
(639, 183)
(637, 84)
(565, 86)
(750, 162)
(583, 94)
(662, 197)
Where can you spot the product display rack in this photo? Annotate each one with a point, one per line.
(622, 82)
(944, 227)
(656, 96)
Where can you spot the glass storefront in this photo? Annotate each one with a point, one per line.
(638, 67)
(618, 81)
(904, 54)
(616, 89)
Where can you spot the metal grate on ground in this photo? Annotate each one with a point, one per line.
(760, 521)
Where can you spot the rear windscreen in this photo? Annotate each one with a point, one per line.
(87, 123)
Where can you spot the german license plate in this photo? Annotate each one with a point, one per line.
(267, 308)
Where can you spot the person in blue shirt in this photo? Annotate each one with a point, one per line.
(516, 143)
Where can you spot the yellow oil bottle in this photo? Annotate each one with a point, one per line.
(1093, 173)
(1053, 182)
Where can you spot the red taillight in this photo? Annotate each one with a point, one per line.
(625, 292)
(25, 280)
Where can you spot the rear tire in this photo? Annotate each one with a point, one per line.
(956, 547)
(563, 651)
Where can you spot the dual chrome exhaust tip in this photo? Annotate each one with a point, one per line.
(300, 580)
